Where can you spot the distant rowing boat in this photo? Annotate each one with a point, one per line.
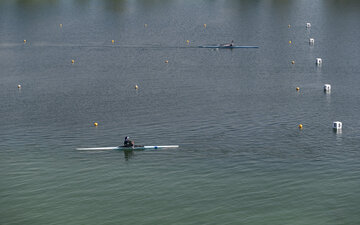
(226, 46)
(136, 147)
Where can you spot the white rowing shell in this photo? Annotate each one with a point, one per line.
(128, 148)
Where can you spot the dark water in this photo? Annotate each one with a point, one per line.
(234, 113)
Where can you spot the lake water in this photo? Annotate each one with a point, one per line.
(235, 113)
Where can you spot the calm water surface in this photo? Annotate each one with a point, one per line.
(234, 113)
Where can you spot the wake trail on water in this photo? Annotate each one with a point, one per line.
(98, 45)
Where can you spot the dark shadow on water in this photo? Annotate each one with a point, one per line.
(115, 5)
(128, 154)
(35, 2)
(148, 4)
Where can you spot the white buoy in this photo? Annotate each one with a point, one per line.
(308, 25)
(318, 61)
(311, 41)
(327, 87)
(337, 125)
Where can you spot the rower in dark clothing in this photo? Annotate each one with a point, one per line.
(128, 142)
(228, 44)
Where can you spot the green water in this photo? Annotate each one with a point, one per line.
(234, 113)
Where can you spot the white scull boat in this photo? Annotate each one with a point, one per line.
(136, 147)
(227, 46)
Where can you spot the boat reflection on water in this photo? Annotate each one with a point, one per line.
(128, 154)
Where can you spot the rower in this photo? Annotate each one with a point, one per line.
(128, 142)
(232, 43)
